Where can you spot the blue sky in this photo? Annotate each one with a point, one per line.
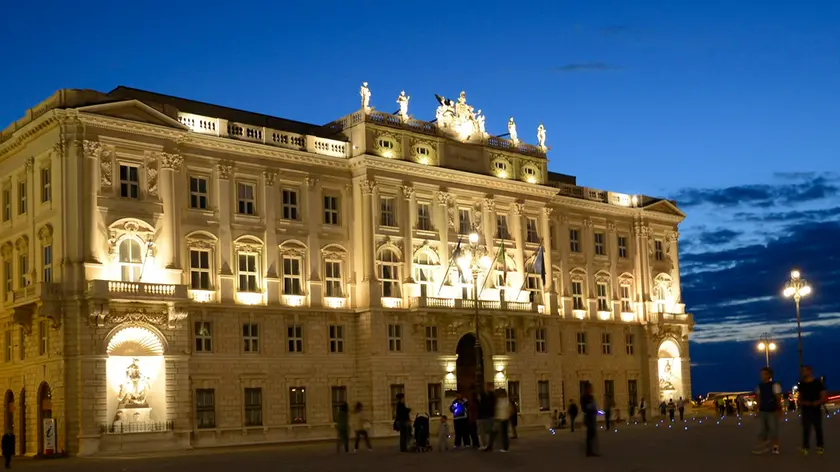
(733, 108)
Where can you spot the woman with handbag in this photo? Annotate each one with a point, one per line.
(361, 425)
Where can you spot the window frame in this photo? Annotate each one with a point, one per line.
(251, 338)
(290, 204)
(395, 389)
(332, 210)
(129, 188)
(626, 295)
(659, 250)
(602, 291)
(199, 200)
(333, 278)
(23, 270)
(599, 240)
(205, 410)
(338, 396)
(623, 252)
(297, 404)
(46, 184)
(22, 197)
(202, 343)
(581, 340)
(294, 338)
(336, 338)
(46, 263)
(395, 337)
(532, 234)
(248, 274)
(540, 341)
(574, 240)
(43, 337)
(133, 268)
(388, 211)
(510, 340)
(246, 198)
(392, 281)
(7, 204)
(606, 344)
(292, 280)
(578, 302)
(544, 395)
(502, 227)
(424, 216)
(252, 408)
(434, 396)
(465, 224)
(198, 274)
(431, 338)
(629, 344)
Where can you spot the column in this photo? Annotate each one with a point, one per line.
(640, 251)
(563, 243)
(92, 151)
(549, 293)
(269, 220)
(226, 250)
(169, 165)
(313, 206)
(587, 237)
(408, 216)
(518, 230)
(489, 216)
(674, 254)
(441, 221)
(612, 253)
(368, 188)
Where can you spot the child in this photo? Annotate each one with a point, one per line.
(443, 435)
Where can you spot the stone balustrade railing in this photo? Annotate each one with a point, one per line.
(469, 304)
(139, 290)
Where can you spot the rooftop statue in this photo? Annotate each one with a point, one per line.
(512, 132)
(541, 136)
(364, 91)
(402, 100)
(459, 118)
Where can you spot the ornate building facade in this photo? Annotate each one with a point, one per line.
(181, 274)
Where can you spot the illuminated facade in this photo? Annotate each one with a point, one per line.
(181, 274)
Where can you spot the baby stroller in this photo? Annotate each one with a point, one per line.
(421, 433)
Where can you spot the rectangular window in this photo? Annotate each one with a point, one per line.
(245, 199)
(513, 392)
(532, 234)
(338, 397)
(198, 193)
(396, 389)
(609, 391)
(290, 205)
(389, 274)
(199, 270)
(43, 341)
(658, 250)
(9, 346)
(248, 273)
(253, 407)
(129, 181)
(464, 221)
(510, 340)
(46, 185)
(395, 338)
(23, 270)
(543, 395)
(424, 216)
(387, 212)
(541, 345)
(294, 336)
(47, 260)
(434, 393)
(600, 244)
(574, 240)
(292, 280)
(606, 345)
(251, 337)
(633, 392)
(622, 247)
(629, 344)
(205, 408)
(297, 405)
(577, 295)
(581, 342)
(533, 283)
(332, 279)
(9, 276)
(626, 300)
(330, 210)
(7, 204)
(603, 300)
(502, 227)
(203, 336)
(582, 387)
(21, 198)
(431, 339)
(336, 339)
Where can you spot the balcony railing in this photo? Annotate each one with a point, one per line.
(681, 317)
(31, 293)
(136, 290)
(127, 428)
(469, 304)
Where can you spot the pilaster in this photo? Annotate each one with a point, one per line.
(313, 207)
(224, 173)
(170, 165)
(408, 214)
(92, 152)
(549, 292)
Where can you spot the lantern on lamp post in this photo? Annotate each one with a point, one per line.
(797, 288)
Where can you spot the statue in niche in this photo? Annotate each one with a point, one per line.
(541, 136)
(134, 390)
(364, 91)
(402, 101)
(512, 131)
(666, 379)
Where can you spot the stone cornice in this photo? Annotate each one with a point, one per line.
(360, 163)
(607, 208)
(29, 131)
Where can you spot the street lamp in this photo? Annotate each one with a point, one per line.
(766, 345)
(797, 288)
(476, 261)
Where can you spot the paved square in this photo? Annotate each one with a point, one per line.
(708, 447)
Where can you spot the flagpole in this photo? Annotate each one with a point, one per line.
(448, 268)
(501, 248)
(525, 280)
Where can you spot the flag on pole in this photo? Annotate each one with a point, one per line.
(455, 254)
(539, 264)
(501, 258)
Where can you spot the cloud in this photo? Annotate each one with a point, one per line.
(719, 236)
(793, 216)
(761, 195)
(587, 67)
(736, 330)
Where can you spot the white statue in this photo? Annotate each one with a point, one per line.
(479, 118)
(512, 131)
(402, 100)
(541, 136)
(364, 91)
(133, 391)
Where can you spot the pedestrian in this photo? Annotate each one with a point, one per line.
(769, 398)
(514, 418)
(643, 410)
(342, 428)
(590, 418)
(402, 422)
(361, 426)
(663, 407)
(812, 396)
(573, 412)
(472, 418)
(631, 407)
(7, 444)
(458, 408)
(486, 414)
(501, 422)
(443, 435)
(681, 408)
(671, 409)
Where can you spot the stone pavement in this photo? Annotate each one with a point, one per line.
(713, 446)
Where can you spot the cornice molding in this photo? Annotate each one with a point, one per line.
(32, 129)
(579, 204)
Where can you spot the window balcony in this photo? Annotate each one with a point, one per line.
(250, 298)
(293, 300)
(335, 302)
(118, 290)
(32, 293)
(469, 304)
(203, 296)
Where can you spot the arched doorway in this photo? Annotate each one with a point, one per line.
(44, 412)
(21, 439)
(9, 402)
(670, 371)
(466, 365)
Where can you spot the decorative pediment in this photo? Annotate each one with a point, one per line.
(666, 207)
(248, 244)
(293, 248)
(133, 110)
(201, 240)
(334, 252)
(45, 234)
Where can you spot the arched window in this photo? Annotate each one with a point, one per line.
(389, 273)
(424, 272)
(131, 260)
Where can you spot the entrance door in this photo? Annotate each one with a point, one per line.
(466, 365)
(22, 408)
(10, 411)
(44, 412)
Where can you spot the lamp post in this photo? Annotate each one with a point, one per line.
(766, 345)
(797, 288)
(476, 261)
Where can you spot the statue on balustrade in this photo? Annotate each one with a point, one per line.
(541, 136)
(512, 131)
(402, 100)
(136, 387)
(364, 91)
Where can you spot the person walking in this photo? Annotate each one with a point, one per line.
(671, 409)
(458, 408)
(590, 418)
(681, 409)
(342, 428)
(361, 425)
(402, 422)
(501, 422)
(812, 396)
(769, 399)
(486, 414)
(7, 445)
(514, 418)
(643, 410)
(573, 413)
(443, 435)
(472, 420)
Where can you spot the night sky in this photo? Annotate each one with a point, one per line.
(731, 108)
